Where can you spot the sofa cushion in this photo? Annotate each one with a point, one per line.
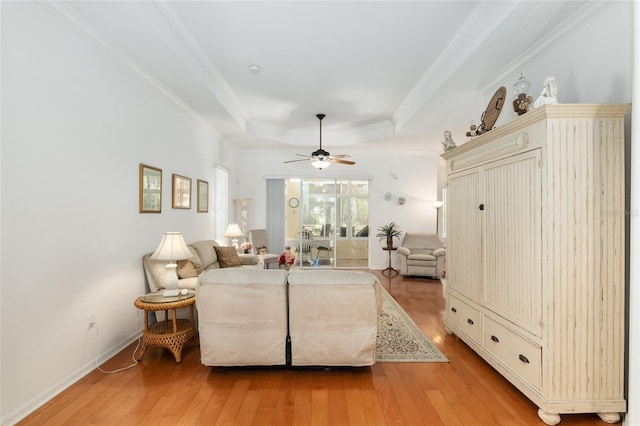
(189, 283)
(333, 317)
(189, 268)
(331, 277)
(422, 257)
(227, 256)
(248, 259)
(337, 277)
(243, 276)
(242, 316)
(206, 253)
(421, 263)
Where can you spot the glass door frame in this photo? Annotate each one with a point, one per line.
(332, 213)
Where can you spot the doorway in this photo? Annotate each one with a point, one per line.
(327, 222)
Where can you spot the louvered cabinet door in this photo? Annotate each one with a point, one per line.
(512, 285)
(464, 235)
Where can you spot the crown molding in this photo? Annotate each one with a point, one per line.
(581, 17)
(485, 17)
(216, 84)
(71, 19)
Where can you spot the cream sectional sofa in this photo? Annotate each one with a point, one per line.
(333, 317)
(242, 316)
(247, 316)
(203, 254)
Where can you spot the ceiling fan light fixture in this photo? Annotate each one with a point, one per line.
(320, 163)
(321, 159)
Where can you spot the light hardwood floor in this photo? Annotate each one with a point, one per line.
(465, 391)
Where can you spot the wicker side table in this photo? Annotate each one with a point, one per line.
(171, 333)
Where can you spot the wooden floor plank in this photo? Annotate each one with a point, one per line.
(464, 391)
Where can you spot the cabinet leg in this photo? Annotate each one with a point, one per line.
(609, 417)
(549, 418)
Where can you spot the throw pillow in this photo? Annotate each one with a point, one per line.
(188, 269)
(227, 256)
(262, 250)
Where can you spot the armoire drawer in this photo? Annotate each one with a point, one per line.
(464, 316)
(515, 352)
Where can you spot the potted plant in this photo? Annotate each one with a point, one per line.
(388, 232)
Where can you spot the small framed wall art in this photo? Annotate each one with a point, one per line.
(150, 189)
(203, 196)
(181, 193)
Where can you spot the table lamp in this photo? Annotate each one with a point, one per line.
(233, 232)
(172, 248)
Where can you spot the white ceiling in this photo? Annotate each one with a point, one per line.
(386, 73)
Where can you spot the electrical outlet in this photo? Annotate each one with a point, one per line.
(91, 320)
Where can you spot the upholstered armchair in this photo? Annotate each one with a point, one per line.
(258, 239)
(421, 254)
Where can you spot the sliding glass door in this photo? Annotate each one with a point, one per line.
(327, 222)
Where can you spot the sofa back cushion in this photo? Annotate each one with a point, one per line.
(331, 277)
(333, 317)
(155, 271)
(423, 240)
(337, 278)
(242, 276)
(206, 253)
(242, 316)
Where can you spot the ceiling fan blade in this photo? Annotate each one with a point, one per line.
(337, 160)
(320, 155)
(295, 161)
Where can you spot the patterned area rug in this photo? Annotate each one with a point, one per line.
(400, 339)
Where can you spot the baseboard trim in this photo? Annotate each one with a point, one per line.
(32, 405)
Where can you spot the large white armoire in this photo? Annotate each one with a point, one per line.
(536, 255)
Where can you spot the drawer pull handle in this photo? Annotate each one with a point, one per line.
(495, 339)
(454, 310)
(470, 321)
(481, 206)
(523, 359)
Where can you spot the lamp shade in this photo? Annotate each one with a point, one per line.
(172, 247)
(233, 231)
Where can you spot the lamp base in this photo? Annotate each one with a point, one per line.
(171, 276)
(234, 243)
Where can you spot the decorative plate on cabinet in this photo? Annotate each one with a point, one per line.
(491, 114)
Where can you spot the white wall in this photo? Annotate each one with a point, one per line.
(75, 126)
(410, 175)
(591, 65)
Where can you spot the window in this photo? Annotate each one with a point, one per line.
(221, 216)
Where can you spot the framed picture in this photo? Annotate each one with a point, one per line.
(150, 189)
(203, 196)
(181, 194)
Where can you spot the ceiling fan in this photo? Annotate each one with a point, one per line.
(320, 158)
